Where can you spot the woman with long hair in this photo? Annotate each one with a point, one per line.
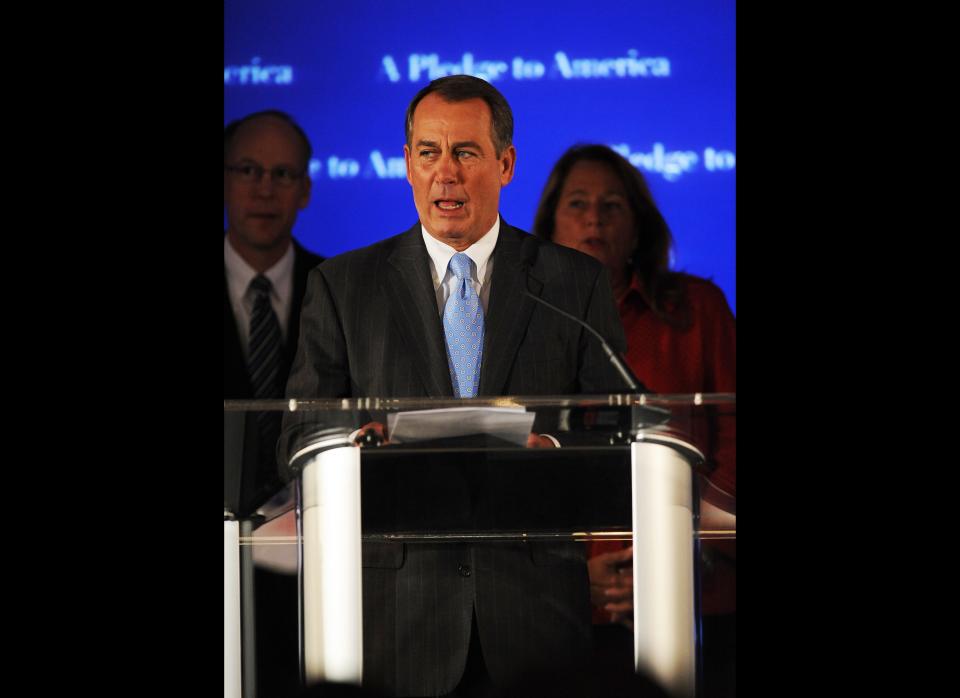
(681, 338)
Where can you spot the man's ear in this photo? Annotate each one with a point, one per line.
(305, 194)
(406, 159)
(508, 160)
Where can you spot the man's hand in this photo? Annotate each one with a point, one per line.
(611, 584)
(539, 441)
(372, 434)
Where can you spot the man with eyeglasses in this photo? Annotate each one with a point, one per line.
(266, 184)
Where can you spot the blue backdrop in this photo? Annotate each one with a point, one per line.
(653, 79)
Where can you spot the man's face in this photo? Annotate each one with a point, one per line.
(261, 213)
(454, 169)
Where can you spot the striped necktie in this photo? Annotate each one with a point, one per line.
(264, 366)
(265, 341)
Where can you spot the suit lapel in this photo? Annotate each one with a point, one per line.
(236, 382)
(508, 313)
(414, 312)
(302, 264)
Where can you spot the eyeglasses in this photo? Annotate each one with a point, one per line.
(251, 173)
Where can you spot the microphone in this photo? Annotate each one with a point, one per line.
(528, 252)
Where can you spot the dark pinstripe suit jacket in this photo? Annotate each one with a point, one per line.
(371, 327)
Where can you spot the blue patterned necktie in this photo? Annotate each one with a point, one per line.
(463, 327)
(264, 365)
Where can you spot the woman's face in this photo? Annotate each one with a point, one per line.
(593, 215)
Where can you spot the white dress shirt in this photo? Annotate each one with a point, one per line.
(239, 276)
(481, 252)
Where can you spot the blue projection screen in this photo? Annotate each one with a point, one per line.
(654, 80)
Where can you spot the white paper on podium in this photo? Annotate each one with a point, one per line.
(511, 424)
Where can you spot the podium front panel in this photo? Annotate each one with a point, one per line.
(481, 493)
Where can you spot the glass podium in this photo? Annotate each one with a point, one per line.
(367, 476)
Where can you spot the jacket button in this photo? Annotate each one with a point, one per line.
(464, 570)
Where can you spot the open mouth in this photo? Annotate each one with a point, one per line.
(448, 204)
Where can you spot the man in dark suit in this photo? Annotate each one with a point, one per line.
(266, 156)
(467, 619)
(265, 186)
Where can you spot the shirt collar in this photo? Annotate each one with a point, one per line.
(480, 252)
(636, 295)
(240, 274)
